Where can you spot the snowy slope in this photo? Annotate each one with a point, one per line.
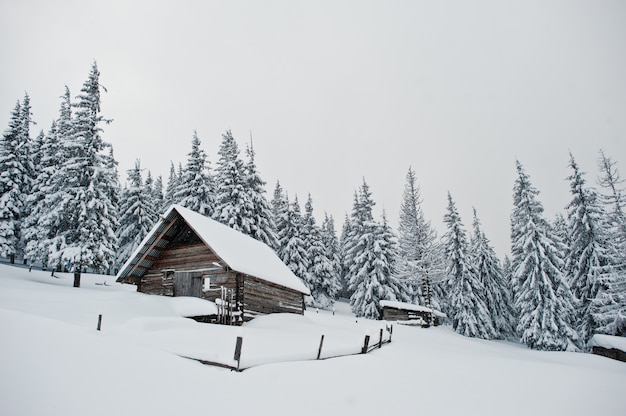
(54, 362)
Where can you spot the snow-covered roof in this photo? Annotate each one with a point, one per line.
(410, 307)
(608, 341)
(238, 251)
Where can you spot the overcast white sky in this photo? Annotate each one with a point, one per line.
(334, 91)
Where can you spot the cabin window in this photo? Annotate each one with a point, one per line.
(206, 283)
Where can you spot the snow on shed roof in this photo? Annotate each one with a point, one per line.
(608, 341)
(410, 307)
(240, 252)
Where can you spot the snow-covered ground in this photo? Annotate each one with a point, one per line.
(53, 361)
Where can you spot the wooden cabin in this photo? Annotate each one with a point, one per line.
(188, 254)
(410, 314)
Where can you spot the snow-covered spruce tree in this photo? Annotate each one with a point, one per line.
(416, 239)
(16, 179)
(260, 215)
(588, 256)
(169, 197)
(372, 250)
(87, 235)
(195, 184)
(279, 206)
(45, 222)
(157, 195)
(468, 306)
(497, 292)
(331, 244)
(544, 301)
(290, 236)
(137, 215)
(320, 273)
(232, 204)
(615, 202)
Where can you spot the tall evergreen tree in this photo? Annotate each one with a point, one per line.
(588, 256)
(195, 184)
(279, 207)
(468, 307)
(16, 178)
(344, 258)
(333, 253)
(320, 275)
(497, 292)
(137, 215)
(87, 236)
(261, 220)
(415, 243)
(173, 181)
(157, 195)
(290, 235)
(372, 250)
(46, 222)
(544, 301)
(232, 203)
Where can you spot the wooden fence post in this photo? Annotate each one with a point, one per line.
(366, 344)
(380, 339)
(77, 278)
(99, 322)
(319, 351)
(238, 351)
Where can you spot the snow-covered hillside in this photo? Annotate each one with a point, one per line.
(53, 361)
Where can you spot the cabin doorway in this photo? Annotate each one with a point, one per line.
(188, 283)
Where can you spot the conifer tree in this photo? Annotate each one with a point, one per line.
(497, 293)
(468, 306)
(195, 184)
(416, 243)
(157, 195)
(544, 301)
(260, 216)
(279, 206)
(333, 253)
(46, 222)
(16, 179)
(372, 251)
(87, 236)
(590, 249)
(169, 197)
(290, 235)
(137, 215)
(320, 275)
(232, 204)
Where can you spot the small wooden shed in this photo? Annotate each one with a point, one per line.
(608, 346)
(409, 313)
(188, 254)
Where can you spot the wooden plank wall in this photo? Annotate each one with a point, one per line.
(180, 258)
(261, 297)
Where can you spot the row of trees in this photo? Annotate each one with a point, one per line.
(61, 204)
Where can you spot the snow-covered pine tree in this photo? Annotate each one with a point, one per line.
(372, 252)
(88, 233)
(195, 184)
(16, 179)
(261, 219)
(290, 236)
(331, 244)
(614, 201)
(497, 292)
(137, 214)
(169, 197)
(468, 306)
(320, 273)
(544, 301)
(279, 206)
(46, 220)
(416, 239)
(609, 308)
(232, 204)
(344, 255)
(157, 195)
(588, 257)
